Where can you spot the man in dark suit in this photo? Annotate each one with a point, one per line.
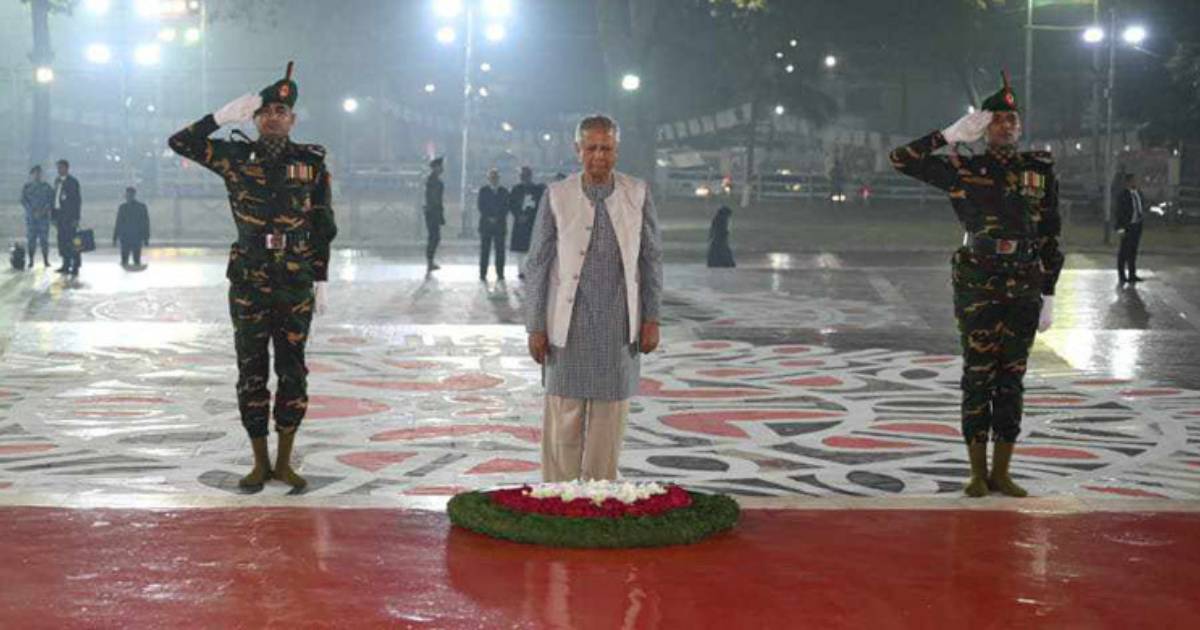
(435, 212)
(523, 202)
(1131, 214)
(493, 224)
(68, 202)
(132, 228)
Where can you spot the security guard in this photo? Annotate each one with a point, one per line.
(1004, 274)
(279, 192)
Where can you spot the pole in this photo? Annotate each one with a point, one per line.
(1097, 169)
(39, 144)
(1027, 118)
(466, 232)
(204, 56)
(1109, 164)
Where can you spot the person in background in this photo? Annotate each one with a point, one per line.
(37, 197)
(523, 203)
(493, 224)
(720, 254)
(132, 229)
(1131, 215)
(68, 206)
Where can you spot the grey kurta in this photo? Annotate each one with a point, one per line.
(598, 361)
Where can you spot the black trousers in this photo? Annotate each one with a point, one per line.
(134, 249)
(1127, 254)
(433, 225)
(66, 247)
(489, 241)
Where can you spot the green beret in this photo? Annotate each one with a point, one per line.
(1003, 100)
(282, 91)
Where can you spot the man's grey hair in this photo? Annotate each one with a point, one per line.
(599, 122)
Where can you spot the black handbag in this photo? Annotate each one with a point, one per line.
(85, 241)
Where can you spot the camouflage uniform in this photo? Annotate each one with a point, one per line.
(997, 296)
(279, 192)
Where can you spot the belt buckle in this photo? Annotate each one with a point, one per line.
(276, 241)
(1005, 246)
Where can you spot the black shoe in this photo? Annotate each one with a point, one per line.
(1136, 279)
(62, 270)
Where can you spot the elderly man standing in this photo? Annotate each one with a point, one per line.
(593, 290)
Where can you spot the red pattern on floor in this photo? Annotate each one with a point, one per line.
(293, 567)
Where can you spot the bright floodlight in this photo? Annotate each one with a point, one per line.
(430, 88)
(147, 55)
(44, 74)
(780, 110)
(350, 105)
(546, 137)
(99, 7)
(446, 35)
(447, 8)
(485, 67)
(483, 92)
(631, 82)
(779, 54)
(98, 53)
(793, 43)
(1134, 35)
(494, 32)
(192, 35)
(789, 68)
(506, 126)
(1093, 35)
(147, 8)
(167, 35)
(497, 8)
(830, 61)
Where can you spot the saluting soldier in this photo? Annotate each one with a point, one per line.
(279, 192)
(1003, 275)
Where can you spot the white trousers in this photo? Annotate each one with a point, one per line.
(581, 439)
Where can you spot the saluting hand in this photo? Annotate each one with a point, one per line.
(969, 128)
(239, 109)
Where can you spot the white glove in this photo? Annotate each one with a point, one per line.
(1047, 317)
(1121, 231)
(319, 298)
(239, 109)
(969, 128)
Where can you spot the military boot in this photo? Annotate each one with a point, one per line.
(977, 486)
(999, 480)
(283, 459)
(262, 466)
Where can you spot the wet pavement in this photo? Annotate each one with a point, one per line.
(820, 389)
(817, 375)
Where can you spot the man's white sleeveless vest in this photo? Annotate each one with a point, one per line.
(574, 216)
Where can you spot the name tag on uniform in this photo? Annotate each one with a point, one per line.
(1033, 184)
(301, 172)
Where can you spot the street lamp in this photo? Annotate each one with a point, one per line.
(485, 67)
(147, 55)
(1134, 35)
(831, 61)
(631, 82)
(446, 35)
(191, 35)
(98, 53)
(494, 32)
(483, 92)
(506, 126)
(350, 105)
(789, 68)
(43, 74)
(430, 88)
(99, 7)
(780, 110)
(497, 8)
(1093, 35)
(447, 8)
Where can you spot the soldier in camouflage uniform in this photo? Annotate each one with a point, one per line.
(279, 192)
(1003, 276)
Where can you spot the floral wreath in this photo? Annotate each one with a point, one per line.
(595, 514)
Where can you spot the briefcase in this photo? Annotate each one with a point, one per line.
(85, 241)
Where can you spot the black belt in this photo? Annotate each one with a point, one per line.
(1016, 248)
(274, 241)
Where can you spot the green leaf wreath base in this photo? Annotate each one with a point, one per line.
(707, 515)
